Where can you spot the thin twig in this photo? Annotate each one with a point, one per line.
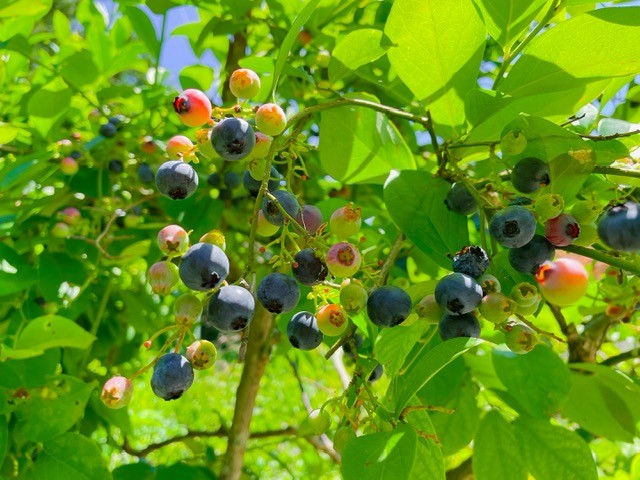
(622, 357)
(539, 330)
(602, 138)
(393, 253)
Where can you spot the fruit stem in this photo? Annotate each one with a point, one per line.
(604, 257)
(166, 345)
(539, 330)
(393, 253)
(350, 331)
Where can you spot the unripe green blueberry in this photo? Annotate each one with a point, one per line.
(244, 83)
(215, 237)
(163, 276)
(489, 284)
(588, 235)
(526, 297)
(513, 143)
(353, 297)
(261, 148)
(586, 211)
(316, 423)
(342, 436)
(187, 308)
(549, 206)
(65, 146)
(265, 228)
(429, 309)
(271, 119)
(497, 308)
(203, 142)
(202, 354)
(520, 338)
(343, 260)
(61, 230)
(257, 168)
(346, 221)
(117, 392)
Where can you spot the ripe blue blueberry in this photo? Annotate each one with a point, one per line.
(116, 166)
(452, 326)
(203, 267)
(529, 174)
(346, 346)
(108, 130)
(172, 375)
(521, 201)
(145, 174)
(116, 121)
(230, 309)
(460, 200)
(388, 306)
(278, 293)
(286, 200)
(377, 373)
(458, 293)
(529, 257)
(513, 227)
(253, 186)
(214, 180)
(232, 179)
(176, 179)
(471, 260)
(619, 227)
(309, 269)
(233, 138)
(303, 331)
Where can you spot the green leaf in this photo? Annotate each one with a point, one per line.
(424, 367)
(603, 401)
(360, 145)
(355, 50)
(494, 455)
(79, 69)
(569, 172)
(557, 60)
(196, 76)
(289, 40)
(25, 8)
(70, 457)
(507, 21)
(4, 437)
(7, 133)
(51, 331)
(554, 452)
(538, 380)
(381, 456)
(144, 29)
(456, 429)
(54, 411)
(15, 273)
(416, 204)
(50, 101)
(56, 268)
(394, 344)
(8, 353)
(438, 47)
(429, 453)
(61, 25)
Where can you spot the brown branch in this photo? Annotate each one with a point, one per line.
(602, 138)
(622, 357)
(237, 51)
(256, 359)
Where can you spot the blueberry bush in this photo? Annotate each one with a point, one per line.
(380, 239)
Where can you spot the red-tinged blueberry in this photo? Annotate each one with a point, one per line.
(172, 376)
(458, 294)
(176, 179)
(203, 267)
(562, 230)
(460, 200)
(117, 392)
(244, 83)
(163, 276)
(233, 138)
(471, 260)
(520, 338)
(202, 354)
(513, 227)
(310, 217)
(271, 119)
(353, 297)
(303, 331)
(332, 319)
(346, 221)
(528, 258)
(148, 145)
(308, 268)
(173, 240)
(563, 282)
(187, 308)
(529, 174)
(179, 147)
(619, 227)
(454, 326)
(261, 149)
(70, 215)
(388, 306)
(343, 260)
(278, 293)
(68, 166)
(193, 107)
